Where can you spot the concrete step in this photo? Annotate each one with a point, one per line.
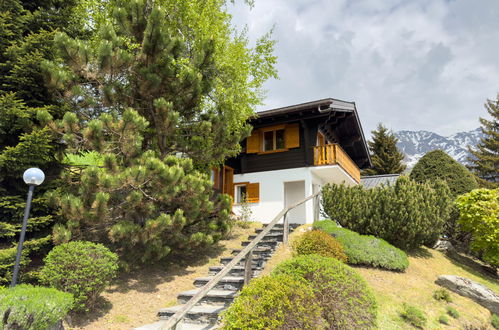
(281, 225)
(213, 297)
(256, 261)
(236, 271)
(264, 252)
(272, 231)
(270, 244)
(182, 325)
(268, 237)
(233, 283)
(199, 315)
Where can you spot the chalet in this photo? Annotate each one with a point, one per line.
(291, 153)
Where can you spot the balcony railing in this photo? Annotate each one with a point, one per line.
(333, 154)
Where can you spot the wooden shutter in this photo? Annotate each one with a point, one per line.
(292, 136)
(228, 181)
(253, 142)
(253, 192)
(216, 178)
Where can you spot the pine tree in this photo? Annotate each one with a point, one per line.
(485, 160)
(161, 98)
(385, 156)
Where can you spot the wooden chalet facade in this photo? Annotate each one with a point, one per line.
(291, 153)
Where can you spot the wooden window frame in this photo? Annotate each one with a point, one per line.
(273, 129)
(246, 184)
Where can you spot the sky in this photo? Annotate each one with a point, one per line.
(409, 64)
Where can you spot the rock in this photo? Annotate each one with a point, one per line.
(468, 288)
(444, 245)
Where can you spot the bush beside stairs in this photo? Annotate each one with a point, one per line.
(205, 315)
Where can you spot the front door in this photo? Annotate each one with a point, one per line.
(294, 192)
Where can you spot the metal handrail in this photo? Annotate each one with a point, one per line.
(179, 315)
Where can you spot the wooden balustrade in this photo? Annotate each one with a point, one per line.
(333, 154)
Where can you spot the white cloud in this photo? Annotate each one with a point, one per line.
(421, 64)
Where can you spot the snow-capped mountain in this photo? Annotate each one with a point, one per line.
(414, 144)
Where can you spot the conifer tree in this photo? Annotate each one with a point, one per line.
(485, 159)
(27, 30)
(162, 98)
(385, 156)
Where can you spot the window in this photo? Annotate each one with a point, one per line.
(250, 191)
(273, 140)
(240, 193)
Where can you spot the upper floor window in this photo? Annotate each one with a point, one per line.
(273, 140)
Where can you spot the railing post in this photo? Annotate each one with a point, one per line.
(248, 267)
(316, 208)
(285, 229)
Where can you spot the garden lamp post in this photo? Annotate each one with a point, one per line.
(32, 177)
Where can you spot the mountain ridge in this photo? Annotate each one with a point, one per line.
(415, 144)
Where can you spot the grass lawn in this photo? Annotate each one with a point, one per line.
(415, 287)
(135, 298)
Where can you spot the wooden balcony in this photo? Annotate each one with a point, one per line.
(333, 154)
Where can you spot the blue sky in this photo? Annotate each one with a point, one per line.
(412, 65)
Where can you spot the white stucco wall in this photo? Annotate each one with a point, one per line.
(272, 192)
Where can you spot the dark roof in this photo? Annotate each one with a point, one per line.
(376, 180)
(342, 116)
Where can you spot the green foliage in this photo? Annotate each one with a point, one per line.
(495, 321)
(485, 158)
(274, 302)
(146, 206)
(437, 165)
(81, 268)
(321, 243)
(30, 307)
(442, 294)
(385, 156)
(366, 250)
(26, 40)
(347, 301)
(452, 312)
(406, 214)
(413, 315)
(443, 319)
(190, 75)
(479, 215)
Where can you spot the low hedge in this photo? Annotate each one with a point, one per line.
(274, 302)
(347, 301)
(321, 243)
(366, 250)
(30, 307)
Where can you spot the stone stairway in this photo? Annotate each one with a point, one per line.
(205, 315)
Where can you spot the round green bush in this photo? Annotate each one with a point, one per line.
(81, 268)
(347, 301)
(366, 250)
(274, 302)
(30, 307)
(437, 164)
(321, 243)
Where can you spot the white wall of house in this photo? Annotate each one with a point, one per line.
(281, 188)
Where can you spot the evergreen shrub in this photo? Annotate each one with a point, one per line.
(453, 312)
(495, 321)
(321, 243)
(443, 319)
(406, 214)
(81, 268)
(442, 294)
(437, 165)
(413, 315)
(274, 302)
(30, 307)
(347, 301)
(366, 250)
